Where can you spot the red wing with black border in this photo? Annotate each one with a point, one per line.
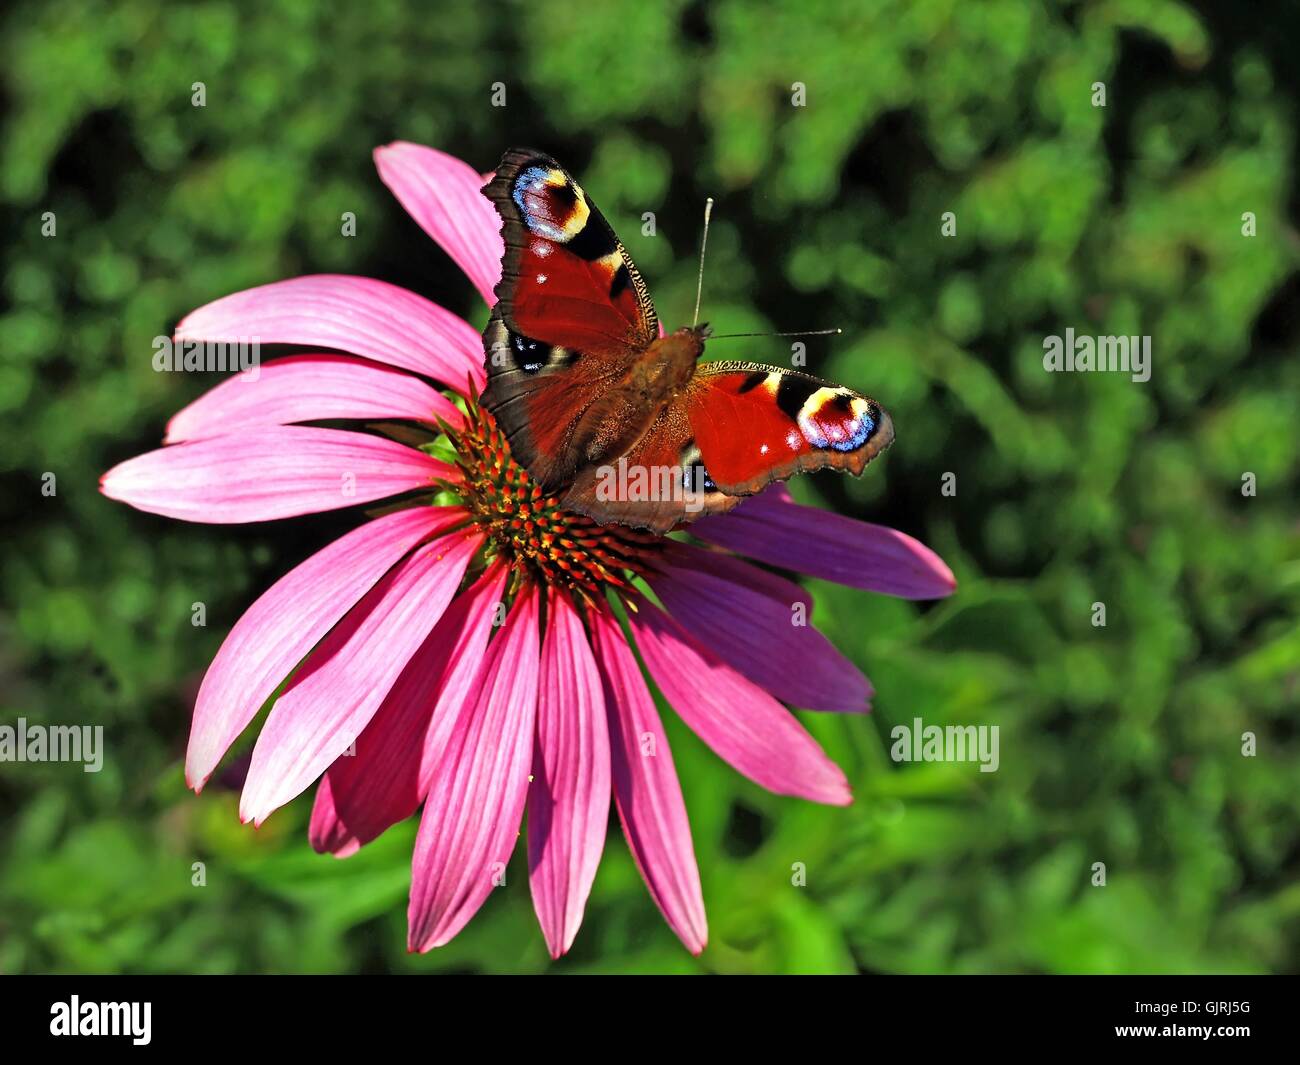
(572, 313)
(735, 429)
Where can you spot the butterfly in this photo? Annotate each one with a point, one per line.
(623, 423)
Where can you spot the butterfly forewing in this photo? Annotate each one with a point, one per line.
(572, 312)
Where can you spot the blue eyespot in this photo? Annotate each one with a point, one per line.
(865, 427)
(532, 181)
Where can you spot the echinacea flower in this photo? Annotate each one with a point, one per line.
(465, 651)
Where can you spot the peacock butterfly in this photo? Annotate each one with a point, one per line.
(623, 423)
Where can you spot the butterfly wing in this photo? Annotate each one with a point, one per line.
(572, 313)
(572, 319)
(756, 424)
(658, 484)
(735, 429)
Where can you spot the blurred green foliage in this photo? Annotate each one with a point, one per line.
(1119, 744)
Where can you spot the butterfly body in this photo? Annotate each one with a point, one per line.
(624, 424)
(626, 409)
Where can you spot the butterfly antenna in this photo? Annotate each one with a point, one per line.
(801, 333)
(704, 243)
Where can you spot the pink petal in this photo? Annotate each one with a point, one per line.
(384, 782)
(830, 546)
(744, 725)
(746, 617)
(568, 803)
(342, 683)
(646, 791)
(353, 314)
(304, 388)
(287, 621)
(278, 471)
(474, 809)
(445, 197)
(327, 831)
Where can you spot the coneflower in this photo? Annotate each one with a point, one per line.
(465, 652)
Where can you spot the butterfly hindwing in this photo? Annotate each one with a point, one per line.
(540, 398)
(572, 313)
(757, 424)
(658, 484)
(735, 429)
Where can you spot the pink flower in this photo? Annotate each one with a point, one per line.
(461, 652)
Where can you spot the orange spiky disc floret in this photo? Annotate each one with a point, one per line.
(530, 529)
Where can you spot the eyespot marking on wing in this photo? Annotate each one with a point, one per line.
(524, 353)
(550, 204)
(836, 419)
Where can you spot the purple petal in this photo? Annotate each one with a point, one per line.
(688, 557)
(830, 546)
(749, 619)
(744, 725)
